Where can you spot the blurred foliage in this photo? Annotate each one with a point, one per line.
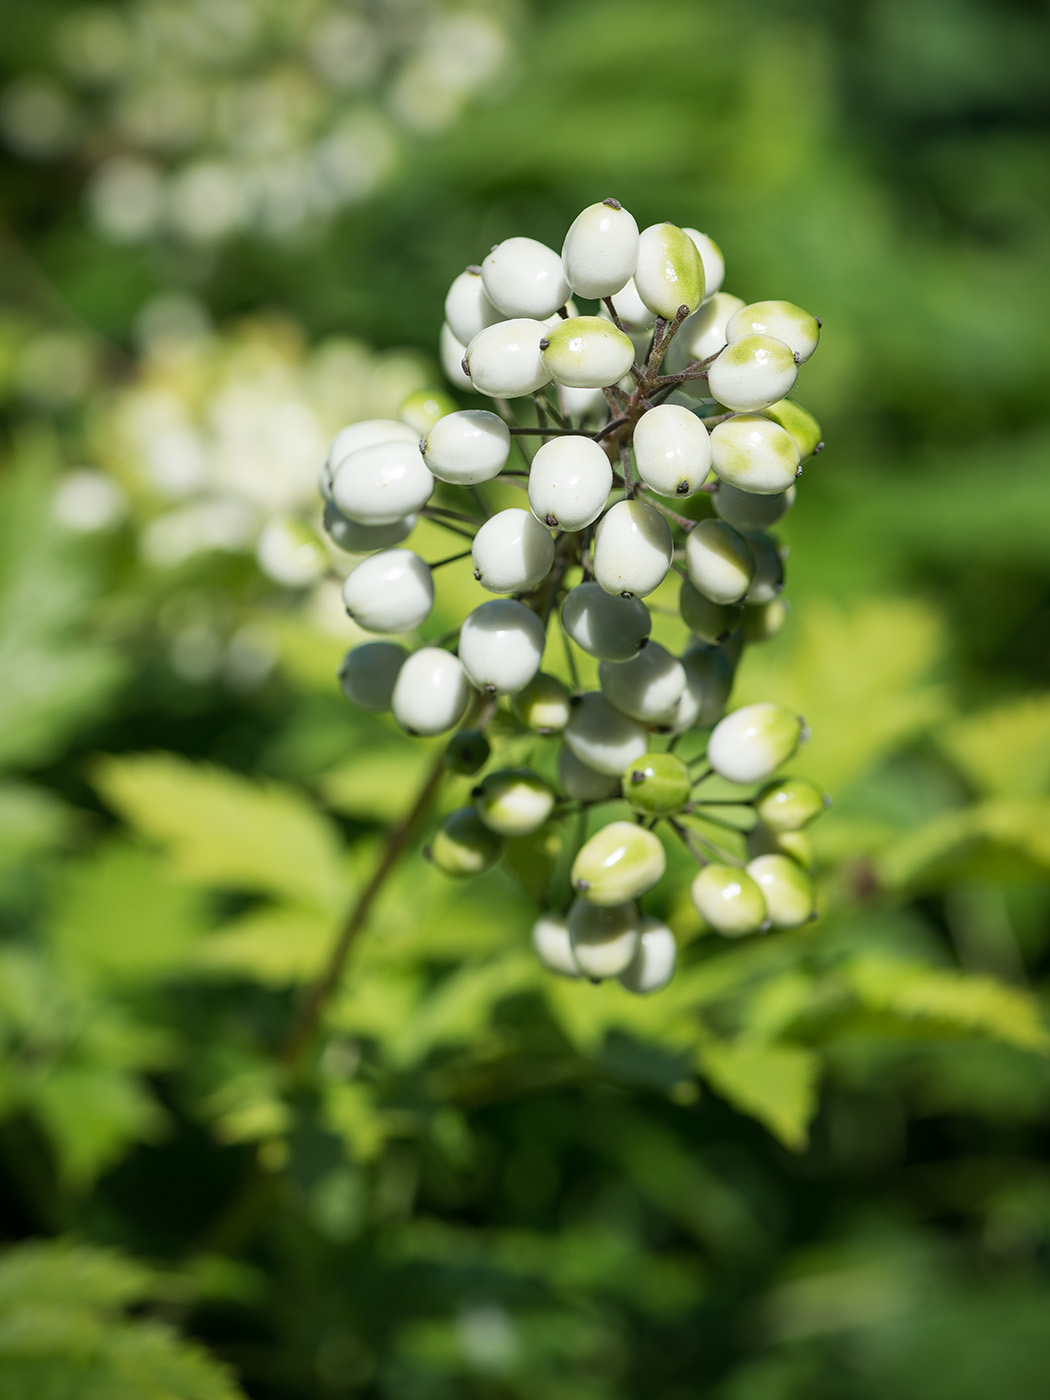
(816, 1165)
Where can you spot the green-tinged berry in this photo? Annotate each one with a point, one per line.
(798, 329)
(463, 845)
(550, 939)
(712, 622)
(787, 889)
(422, 409)
(768, 577)
(653, 964)
(544, 706)
(647, 688)
(633, 549)
(752, 453)
(788, 804)
(603, 738)
(621, 861)
(467, 752)
(753, 372)
(583, 783)
(800, 423)
(605, 625)
(670, 271)
(729, 900)
(369, 673)
(657, 784)
(763, 621)
(745, 510)
(514, 801)
(587, 352)
(719, 561)
(604, 938)
(750, 744)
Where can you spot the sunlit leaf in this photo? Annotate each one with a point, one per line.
(777, 1084)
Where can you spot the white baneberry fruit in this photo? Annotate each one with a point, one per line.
(788, 804)
(348, 535)
(367, 433)
(580, 403)
(381, 484)
(672, 450)
(602, 737)
(514, 801)
(709, 679)
(754, 454)
(752, 372)
(703, 334)
(782, 319)
(524, 277)
(633, 549)
(647, 688)
(392, 591)
(544, 706)
(749, 745)
(600, 249)
(501, 645)
(512, 552)
(603, 937)
(467, 307)
(636, 317)
(798, 845)
(587, 352)
(712, 259)
(768, 578)
(569, 482)
(431, 694)
(467, 447)
(369, 673)
(729, 900)
(621, 861)
(719, 561)
(712, 622)
(582, 783)
(451, 353)
(505, 360)
(763, 621)
(786, 888)
(745, 510)
(463, 846)
(670, 271)
(605, 625)
(550, 939)
(653, 964)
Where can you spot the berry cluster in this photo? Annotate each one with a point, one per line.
(672, 391)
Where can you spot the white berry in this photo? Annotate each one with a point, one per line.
(369, 673)
(505, 360)
(633, 549)
(719, 561)
(550, 939)
(782, 319)
(745, 510)
(712, 259)
(354, 538)
(603, 938)
(381, 484)
(647, 688)
(653, 964)
(523, 277)
(501, 645)
(467, 307)
(752, 372)
(451, 353)
(600, 250)
(431, 694)
(603, 738)
(749, 745)
(569, 482)
(587, 352)
(467, 447)
(672, 450)
(512, 552)
(604, 624)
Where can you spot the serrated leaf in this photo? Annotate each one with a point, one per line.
(63, 1336)
(777, 1084)
(378, 785)
(92, 1114)
(1005, 750)
(859, 676)
(55, 676)
(968, 1004)
(220, 829)
(460, 1009)
(31, 820)
(950, 846)
(124, 918)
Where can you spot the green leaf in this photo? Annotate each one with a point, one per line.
(220, 829)
(55, 676)
(123, 917)
(92, 1114)
(31, 820)
(950, 1000)
(273, 946)
(64, 1336)
(971, 842)
(378, 785)
(1005, 750)
(777, 1084)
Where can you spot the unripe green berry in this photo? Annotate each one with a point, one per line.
(750, 744)
(463, 845)
(786, 888)
(768, 577)
(653, 964)
(467, 752)
(514, 801)
(544, 706)
(752, 453)
(762, 841)
(587, 352)
(763, 621)
(788, 804)
(657, 784)
(621, 861)
(604, 938)
(711, 622)
(422, 409)
(729, 900)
